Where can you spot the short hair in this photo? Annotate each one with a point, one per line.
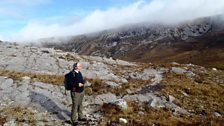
(75, 65)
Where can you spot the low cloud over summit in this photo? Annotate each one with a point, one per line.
(159, 11)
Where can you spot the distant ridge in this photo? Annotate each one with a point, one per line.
(188, 42)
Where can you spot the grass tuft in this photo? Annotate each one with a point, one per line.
(52, 79)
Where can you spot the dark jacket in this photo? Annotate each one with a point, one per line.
(74, 79)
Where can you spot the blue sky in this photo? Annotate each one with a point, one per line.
(22, 20)
(15, 14)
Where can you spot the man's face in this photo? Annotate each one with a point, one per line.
(79, 66)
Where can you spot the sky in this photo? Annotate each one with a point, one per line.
(27, 20)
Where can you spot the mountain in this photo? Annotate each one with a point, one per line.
(117, 92)
(187, 42)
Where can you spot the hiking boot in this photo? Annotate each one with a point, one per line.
(75, 124)
(82, 119)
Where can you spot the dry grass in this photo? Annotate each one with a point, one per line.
(144, 115)
(18, 113)
(99, 87)
(70, 57)
(206, 97)
(2, 120)
(132, 84)
(52, 79)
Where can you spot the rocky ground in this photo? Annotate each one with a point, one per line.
(117, 92)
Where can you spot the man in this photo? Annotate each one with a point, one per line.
(77, 94)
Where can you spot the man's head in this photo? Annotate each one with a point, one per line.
(77, 66)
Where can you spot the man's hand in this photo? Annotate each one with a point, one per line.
(81, 85)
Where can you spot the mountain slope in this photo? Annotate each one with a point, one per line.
(207, 50)
(189, 42)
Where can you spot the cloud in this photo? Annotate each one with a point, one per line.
(162, 11)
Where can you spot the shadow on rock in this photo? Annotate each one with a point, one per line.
(49, 105)
(150, 88)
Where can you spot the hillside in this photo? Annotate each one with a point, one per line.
(117, 92)
(188, 42)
